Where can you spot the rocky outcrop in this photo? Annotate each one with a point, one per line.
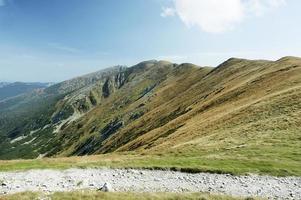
(111, 128)
(106, 188)
(113, 83)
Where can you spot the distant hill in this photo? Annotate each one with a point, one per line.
(2, 84)
(242, 111)
(8, 90)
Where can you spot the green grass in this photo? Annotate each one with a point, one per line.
(180, 163)
(93, 195)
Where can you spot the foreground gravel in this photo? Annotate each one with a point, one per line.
(150, 181)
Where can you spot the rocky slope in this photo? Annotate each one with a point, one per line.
(246, 108)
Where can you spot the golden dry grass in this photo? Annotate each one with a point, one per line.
(93, 195)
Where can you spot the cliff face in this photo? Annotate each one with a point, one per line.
(92, 94)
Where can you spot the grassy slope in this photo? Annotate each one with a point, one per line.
(82, 195)
(26, 113)
(121, 105)
(243, 116)
(250, 121)
(169, 162)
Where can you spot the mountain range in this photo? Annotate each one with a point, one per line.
(246, 109)
(8, 90)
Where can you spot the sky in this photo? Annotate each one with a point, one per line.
(54, 40)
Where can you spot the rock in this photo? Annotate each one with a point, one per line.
(106, 188)
(3, 184)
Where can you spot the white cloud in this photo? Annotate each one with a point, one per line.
(167, 12)
(217, 16)
(260, 7)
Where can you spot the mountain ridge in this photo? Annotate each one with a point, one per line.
(160, 108)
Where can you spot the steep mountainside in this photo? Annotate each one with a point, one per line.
(250, 109)
(8, 90)
(33, 116)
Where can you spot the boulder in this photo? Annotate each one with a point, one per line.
(106, 188)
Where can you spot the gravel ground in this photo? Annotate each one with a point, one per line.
(150, 181)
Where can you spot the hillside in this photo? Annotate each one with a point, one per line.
(242, 113)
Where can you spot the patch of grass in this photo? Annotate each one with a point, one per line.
(190, 164)
(22, 196)
(93, 195)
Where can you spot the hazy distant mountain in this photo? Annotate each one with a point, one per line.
(8, 90)
(2, 84)
(246, 108)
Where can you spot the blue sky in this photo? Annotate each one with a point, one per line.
(53, 40)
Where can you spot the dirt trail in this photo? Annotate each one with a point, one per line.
(150, 181)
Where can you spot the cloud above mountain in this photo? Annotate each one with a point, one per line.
(215, 16)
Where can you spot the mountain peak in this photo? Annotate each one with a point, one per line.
(289, 58)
